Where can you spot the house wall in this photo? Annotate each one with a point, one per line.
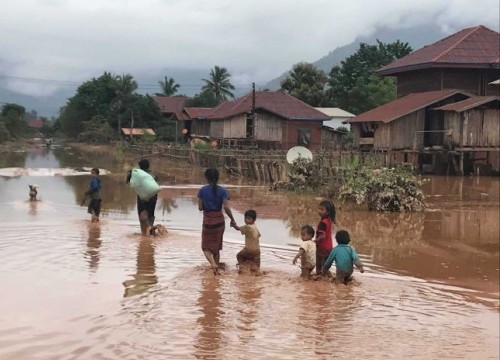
(291, 130)
(453, 127)
(235, 127)
(331, 140)
(481, 128)
(403, 133)
(200, 127)
(217, 129)
(268, 127)
(473, 81)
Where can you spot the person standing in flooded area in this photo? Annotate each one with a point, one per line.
(145, 208)
(307, 252)
(211, 199)
(94, 192)
(345, 258)
(324, 241)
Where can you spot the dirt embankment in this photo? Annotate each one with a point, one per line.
(96, 149)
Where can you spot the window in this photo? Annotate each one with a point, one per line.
(304, 137)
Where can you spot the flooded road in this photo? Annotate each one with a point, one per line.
(76, 290)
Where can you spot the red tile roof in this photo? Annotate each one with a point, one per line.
(476, 47)
(470, 103)
(404, 106)
(136, 131)
(170, 104)
(278, 103)
(196, 112)
(36, 123)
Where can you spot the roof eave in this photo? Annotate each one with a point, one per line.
(406, 68)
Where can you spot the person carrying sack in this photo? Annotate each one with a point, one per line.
(145, 185)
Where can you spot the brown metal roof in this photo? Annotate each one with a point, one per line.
(404, 106)
(278, 103)
(136, 131)
(171, 105)
(196, 112)
(470, 103)
(476, 47)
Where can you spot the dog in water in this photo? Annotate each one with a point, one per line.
(33, 192)
(157, 230)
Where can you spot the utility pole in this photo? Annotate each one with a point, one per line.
(253, 115)
(132, 126)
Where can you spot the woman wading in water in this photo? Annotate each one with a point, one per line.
(211, 199)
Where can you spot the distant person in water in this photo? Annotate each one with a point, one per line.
(94, 192)
(345, 257)
(249, 257)
(211, 199)
(145, 208)
(307, 252)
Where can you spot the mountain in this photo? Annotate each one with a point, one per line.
(417, 37)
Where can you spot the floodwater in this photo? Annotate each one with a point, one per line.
(71, 289)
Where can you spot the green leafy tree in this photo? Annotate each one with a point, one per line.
(203, 99)
(4, 132)
(14, 119)
(219, 84)
(125, 87)
(306, 83)
(168, 87)
(356, 76)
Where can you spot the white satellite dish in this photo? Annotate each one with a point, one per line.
(296, 152)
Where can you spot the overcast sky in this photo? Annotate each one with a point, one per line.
(256, 40)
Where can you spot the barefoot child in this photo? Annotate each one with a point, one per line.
(249, 257)
(326, 227)
(307, 252)
(345, 257)
(94, 193)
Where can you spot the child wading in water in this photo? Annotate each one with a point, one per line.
(94, 192)
(326, 227)
(344, 256)
(307, 252)
(249, 257)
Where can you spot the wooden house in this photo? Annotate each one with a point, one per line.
(467, 60)
(280, 122)
(171, 110)
(332, 139)
(454, 69)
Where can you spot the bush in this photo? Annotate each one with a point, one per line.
(395, 189)
(4, 133)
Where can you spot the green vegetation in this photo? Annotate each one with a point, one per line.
(396, 189)
(219, 85)
(307, 83)
(168, 87)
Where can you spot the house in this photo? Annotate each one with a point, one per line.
(338, 116)
(467, 60)
(171, 110)
(410, 128)
(473, 126)
(280, 122)
(129, 133)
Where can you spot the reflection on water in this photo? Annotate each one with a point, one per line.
(76, 289)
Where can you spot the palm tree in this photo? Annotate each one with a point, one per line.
(168, 87)
(125, 87)
(219, 84)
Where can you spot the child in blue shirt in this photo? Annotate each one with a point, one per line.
(94, 193)
(345, 257)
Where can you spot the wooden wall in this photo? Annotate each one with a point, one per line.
(235, 127)
(290, 133)
(331, 140)
(481, 128)
(217, 129)
(200, 127)
(268, 127)
(473, 81)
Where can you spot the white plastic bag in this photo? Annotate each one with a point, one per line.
(144, 184)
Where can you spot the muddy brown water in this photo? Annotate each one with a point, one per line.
(71, 289)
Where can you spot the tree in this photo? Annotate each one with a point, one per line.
(168, 87)
(13, 119)
(356, 75)
(203, 99)
(306, 83)
(125, 87)
(219, 84)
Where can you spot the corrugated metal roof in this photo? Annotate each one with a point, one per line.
(136, 131)
(476, 47)
(468, 103)
(170, 104)
(278, 103)
(197, 112)
(335, 112)
(404, 106)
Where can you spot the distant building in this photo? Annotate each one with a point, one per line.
(129, 133)
(338, 116)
